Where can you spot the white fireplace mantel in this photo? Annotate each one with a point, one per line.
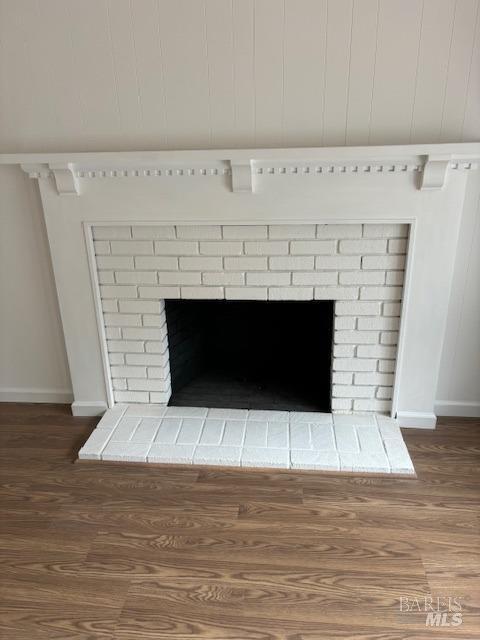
(420, 185)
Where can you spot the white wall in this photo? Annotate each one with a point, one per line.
(148, 74)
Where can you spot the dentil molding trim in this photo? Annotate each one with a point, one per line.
(431, 162)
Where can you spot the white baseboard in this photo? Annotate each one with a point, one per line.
(416, 419)
(460, 409)
(93, 408)
(34, 394)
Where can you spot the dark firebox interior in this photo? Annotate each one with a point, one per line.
(250, 355)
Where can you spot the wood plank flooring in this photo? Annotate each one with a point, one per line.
(131, 553)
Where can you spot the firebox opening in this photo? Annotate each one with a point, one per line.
(250, 354)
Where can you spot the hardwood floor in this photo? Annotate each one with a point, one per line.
(126, 552)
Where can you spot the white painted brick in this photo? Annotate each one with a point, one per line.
(187, 412)
(339, 377)
(157, 347)
(300, 437)
(162, 397)
(316, 460)
(244, 232)
(118, 291)
(395, 277)
(316, 417)
(378, 323)
(381, 293)
(365, 461)
(290, 293)
(127, 452)
(106, 277)
(322, 437)
(147, 359)
(383, 262)
(203, 263)
(372, 405)
(362, 277)
(336, 263)
(268, 279)
(277, 435)
(313, 247)
(113, 333)
(202, 293)
(153, 320)
(384, 393)
(267, 415)
(255, 434)
(111, 233)
(351, 391)
(221, 248)
(346, 438)
(171, 453)
(398, 456)
(374, 378)
(95, 444)
(339, 231)
(397, 246)
(315, 277)
(389, 337)
(266, 248)
(168, 430)
(336, 293)
(159, 372)
(344, 350)
(388, 427)
(159, 292)
(293, 263)
(246, 293)
(363, 247)
(228, 414)
(140, 306)
(132, 247)
(153, 232)
(263, 457)
(376, 351)
(143, 333)
(137, 384)
(116, 358)
(212, 431)
(233, 433)
(217, 455)
(128, 372)
(386, 366)
(124, 346)
(356, 337)
(146, 430)
(245, 263)
(131, 396)
(175, 247)
(355, 420)
(391, 309)
(122, 320)
(102, 247)
(190, 431)
(291, 231)
(146, 411)
(199, 232)
(385, 230)
(114, 262)
(110, 306)
(156, 262)
(342, 404)
(370, 439)
(344, 322)
(222, 278)
(354, 364)
(178, 277)
(135, 277)
(357, 308)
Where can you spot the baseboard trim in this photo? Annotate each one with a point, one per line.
(460, 409)
(95, 408)
(35, 395)
(416, 419)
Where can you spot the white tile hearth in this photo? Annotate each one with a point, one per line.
(241, 438)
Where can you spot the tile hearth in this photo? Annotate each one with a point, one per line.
(249, 438)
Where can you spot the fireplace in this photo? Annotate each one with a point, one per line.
(250, 354)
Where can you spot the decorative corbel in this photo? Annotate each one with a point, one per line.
(65, 179)
(434, 175)
(242, 176)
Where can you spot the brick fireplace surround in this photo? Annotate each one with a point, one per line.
(373, 228)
